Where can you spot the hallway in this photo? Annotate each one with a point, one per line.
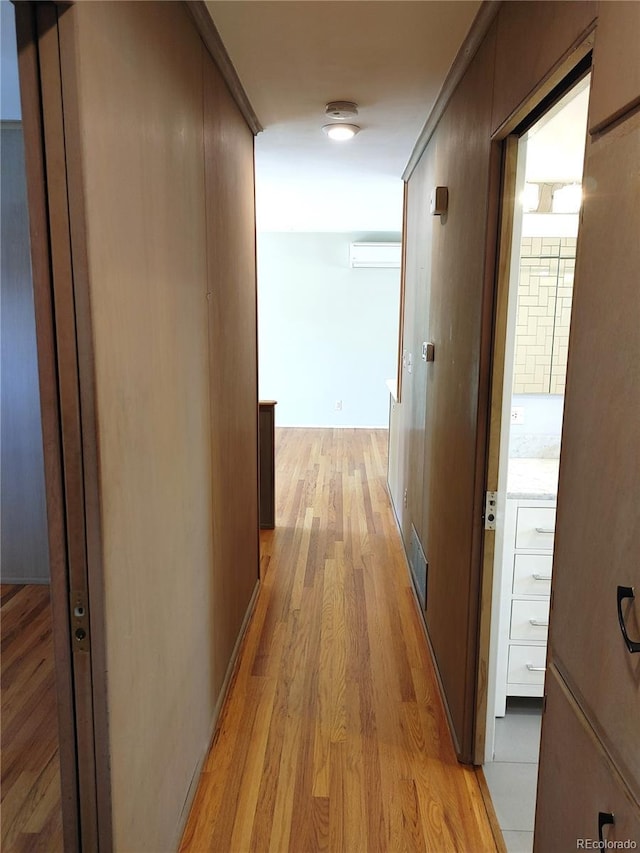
(333, 736)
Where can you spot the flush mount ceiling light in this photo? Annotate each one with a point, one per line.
(341, 132)
(339, 112)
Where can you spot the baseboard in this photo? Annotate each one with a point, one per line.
(226, 684)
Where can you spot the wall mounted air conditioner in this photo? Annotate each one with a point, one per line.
(381, 255)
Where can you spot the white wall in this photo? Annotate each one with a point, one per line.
(9, 86)
(326, 332)
(539, 434)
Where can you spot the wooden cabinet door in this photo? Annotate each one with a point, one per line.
(577, 782)
(598, 518)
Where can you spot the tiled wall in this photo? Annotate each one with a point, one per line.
(543, 315)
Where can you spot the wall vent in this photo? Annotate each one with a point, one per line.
(375, 255)
(419, 567)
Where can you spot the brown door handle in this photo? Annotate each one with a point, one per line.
(626, 592)
(604, 818)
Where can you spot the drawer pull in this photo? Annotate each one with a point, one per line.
(539, 623)
(604, 818)
(533, 668)
(538, 577)
(626, 592)
(545, 530)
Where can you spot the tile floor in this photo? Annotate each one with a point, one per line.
(512, 776)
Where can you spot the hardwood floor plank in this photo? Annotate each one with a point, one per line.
(30, 800)
(334, 736)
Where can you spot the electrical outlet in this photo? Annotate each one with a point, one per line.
(517, 415)
(338, 405)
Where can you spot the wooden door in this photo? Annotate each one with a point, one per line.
(598, 519)
(62, 457)
(597, 551)
(456, 387)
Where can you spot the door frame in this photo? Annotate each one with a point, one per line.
(78, 632)
(572, 68)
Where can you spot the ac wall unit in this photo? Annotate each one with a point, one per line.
(380, 255)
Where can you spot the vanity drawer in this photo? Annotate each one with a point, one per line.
(526, 664)
(535, 527)
(532, 574)
(529, 620)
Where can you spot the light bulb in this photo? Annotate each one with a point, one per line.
(341, 132)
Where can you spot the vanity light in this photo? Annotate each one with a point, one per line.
(530, 198)
(567, 199)
(341, 132)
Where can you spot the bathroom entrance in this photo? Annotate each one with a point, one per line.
(543, 175)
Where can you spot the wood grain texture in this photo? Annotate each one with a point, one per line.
(597, 539)
(161, 207)
(334, 735)
(461, 156)
(232, 361)
(577, 780)
(30, 772)
(215, 46)
(70, 366)
(615, 85)
(468, 49)
(532, 41)
(30, 69)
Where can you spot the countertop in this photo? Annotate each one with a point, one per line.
(532, 479)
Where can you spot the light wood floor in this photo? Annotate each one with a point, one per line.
(333, 736)
(30, 807)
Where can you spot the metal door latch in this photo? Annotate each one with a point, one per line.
(79, 621)
(490, 510)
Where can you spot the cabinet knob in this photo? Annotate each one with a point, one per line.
(626, 592)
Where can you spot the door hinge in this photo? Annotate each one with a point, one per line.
(79, 621)
(490, 509)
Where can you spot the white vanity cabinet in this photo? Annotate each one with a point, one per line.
(524, 601)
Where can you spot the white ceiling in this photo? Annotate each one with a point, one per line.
(555, 144)
(293, 56)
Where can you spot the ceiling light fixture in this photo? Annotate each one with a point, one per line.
(341, 132)
(567, 199)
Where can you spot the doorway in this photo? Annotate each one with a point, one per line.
(30, 779)
(48, 724)
(546, 161)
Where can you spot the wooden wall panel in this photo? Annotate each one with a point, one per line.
(446, 305)
(615, 86)
(459, 154)
(532, 39)
(24, 553)
(167, 278)
(233, 362)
